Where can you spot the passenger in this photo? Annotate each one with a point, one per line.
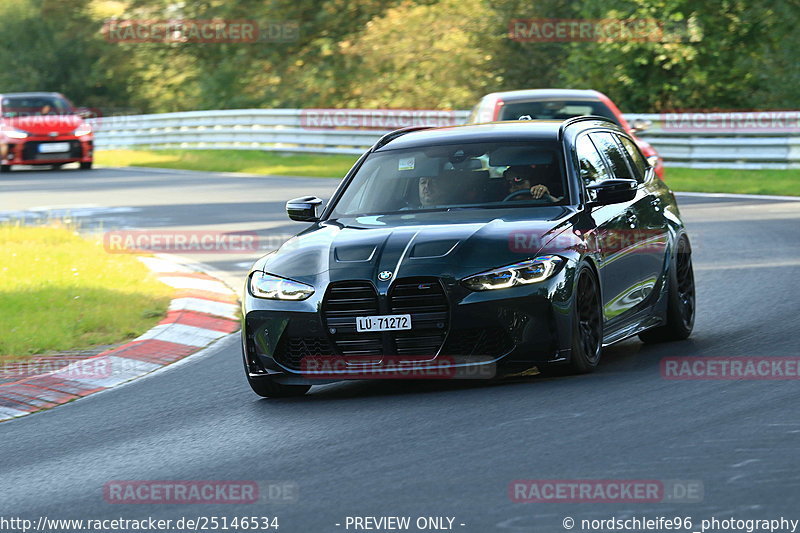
(434, 191)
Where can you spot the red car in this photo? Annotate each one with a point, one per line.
(560, 104)
(42, 129)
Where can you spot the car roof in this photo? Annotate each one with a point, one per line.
(526, 94)
(508, 131)
(37, 94)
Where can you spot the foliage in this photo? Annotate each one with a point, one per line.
(406, 58)
(56, 45)
(723, 54)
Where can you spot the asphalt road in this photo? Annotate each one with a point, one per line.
(425, 449)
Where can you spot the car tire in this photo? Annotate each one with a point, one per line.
(57, 166)
(86, 166)
(5, 168)
(587, 323)
(587, 327)
(266, 387)
(681, 302)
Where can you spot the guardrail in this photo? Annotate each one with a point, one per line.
(353, 131)
(283, 130)
(702, 140)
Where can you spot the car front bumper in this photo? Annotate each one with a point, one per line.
(483, 334)
(27, 151)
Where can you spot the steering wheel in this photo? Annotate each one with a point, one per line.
(525, 191)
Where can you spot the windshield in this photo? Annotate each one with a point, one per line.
(555, 109)
(31, 106)
(463, 176)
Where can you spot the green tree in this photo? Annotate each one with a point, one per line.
(434, 55)
(727, 51)
(307, 71)
(527, 65)
(56, 45)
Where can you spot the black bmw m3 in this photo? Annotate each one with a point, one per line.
(472, 251)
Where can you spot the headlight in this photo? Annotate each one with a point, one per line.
(523, 273)
(83, 129)
(271, 287)
(14, 133)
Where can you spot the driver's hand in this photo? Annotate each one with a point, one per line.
(537, 191)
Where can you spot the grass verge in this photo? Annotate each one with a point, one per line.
(60, 291)
(249, 161)
(778, 182)
(766, 181)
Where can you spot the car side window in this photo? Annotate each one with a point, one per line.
(590, 163)
(609, 147)
(637, 160)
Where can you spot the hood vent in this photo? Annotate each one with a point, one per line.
(433, 248)
(353, 254)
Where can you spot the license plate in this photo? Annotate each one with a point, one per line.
(52, 148)
(383, 323)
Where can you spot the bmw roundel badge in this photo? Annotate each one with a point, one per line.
(385, 275)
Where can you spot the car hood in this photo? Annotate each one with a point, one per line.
(45, 124)
(448, 244)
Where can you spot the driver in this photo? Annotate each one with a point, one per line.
(521, 177)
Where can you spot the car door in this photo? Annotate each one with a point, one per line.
(652, 233)
(621, 280)
(610, 228)
(632, 243)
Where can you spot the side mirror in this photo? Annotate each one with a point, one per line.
(640, 125)
(612, 191)
(303, 209)
(85, 113)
